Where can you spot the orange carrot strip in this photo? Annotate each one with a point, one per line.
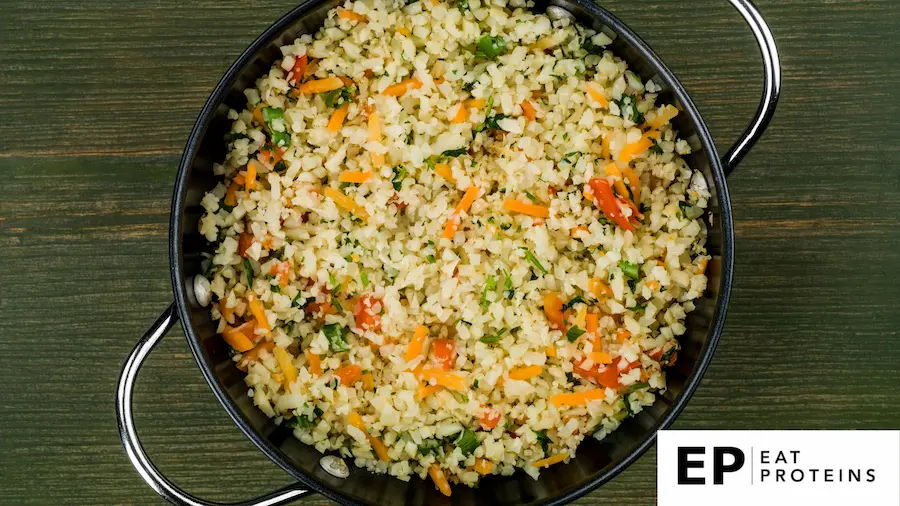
(227, 312)
(259, 312)
(613, 170)
(437, 476)
(231, 194)
(461, 114)
(578, 398)
(356, 421)
(519, 206)
(354, 176)
(634, 182)
(592, 322)
(349, 374)
(449, 380)
(664, 116)
(400, 89)
(417, 344)
(599, 357)
(337, 117)
(631, 151)
(403, 31)
(368, 381)
(253, 355)
(443, 170)
(320, 85)
(550, 351)
(524, 373)
(593, 89)
(250, 177)
(599, 288)
(483, 466)
(427, 390)
(604, 146)
(529, 111)
(380, 448)
(553, 309)
(477, 103)
(351, 16)
(374, 124)
(463, 206)
(549, 461)
(236, 339)
(653, 134)
(577, 232)
(315, 363)
(285, 362)
(239, 179)
(347, 203)
(257, 115)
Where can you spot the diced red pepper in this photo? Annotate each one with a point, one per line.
(490, 417)
(606, 375)
(603, 197)
(299, 69)
(444, 351)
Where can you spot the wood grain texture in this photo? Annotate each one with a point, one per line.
(99, 96)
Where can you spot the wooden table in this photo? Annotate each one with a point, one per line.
(97, 98)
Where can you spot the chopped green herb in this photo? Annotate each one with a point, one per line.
(466, 442)
(248, 271)
(332, 280)
(635, 387)
(571, 157)
(225, 207)
(430, 447)
(365, 279)
(491, 123)
(281, 139)
(627, 405)
(689, 211)
(460, 397)
(338, 97)
(463, 6)
(543, 439)
(574, 333)
(270, 114)
(475, 383)
(572, 379)
(638, 307)
(334, 332)
(490, 47)
(628, 104)
(655, 148)
(530, 196)
(301, 304)
(453, 153)
(667, 356)
(399, 175)
(630, 270)
(430, 259)
(337, 305)
(575, 300)
(280, 167)
(490, 286)
(493, 339)
(534, 261)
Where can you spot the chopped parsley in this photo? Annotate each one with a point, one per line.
(490, 47)
(466, 442)
(334, 332)
(534, 261)
(638, 307)
(689, 211)
(365, 279)
(530, 196)
(248, 271)
(543, 440)
(399, 175)
(463, 6)
(281, 139)
(636, 386)
(339, 97)
(575, 300)
(574, 333)
(489, 286)
(494, 339)
(430, 259)
(629, 109)
(430, 447)
(632, 271)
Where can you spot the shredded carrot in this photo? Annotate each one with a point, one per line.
(524, 373)
(599, 288)
(437, 476)
(337, 117)
(320, 85)
(427, 390)
(231, 194)
(544, 43)
(663, 116)
(237, 339)
(380, 448)
(250, 177)
(549, 461)
(522, 207)
(596, 93)
(580, 316)
(604, 146)
(634, 182)
(239, 179)
(400, 89)
(439, 81)
(529, 111)
(592, 322)
(443, 170)
(461, 114)
(257, 115)
(354, 176)
(347, 203)
(227, 312)
(631, 151)
(550, 351)
(315, 363)
(553, 309)
(259, 312)
(417, 344)
(653, 284)
(351, 16)
(653, 134)
(368, 381)
(463, 206)
(374, 124)
(403, 31)
(578, 398)
(599, 357)
(578, 232)
(622, 335)
(356, 421)
(613, 170)
(449, 380)
(253, 355)
(285, 362)
(701, 267)
(349, 374)
(483, 466)
(477, 103)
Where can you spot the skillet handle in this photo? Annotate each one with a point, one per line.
(771, 86)
(125, 417)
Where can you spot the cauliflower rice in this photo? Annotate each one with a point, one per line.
(473, 250)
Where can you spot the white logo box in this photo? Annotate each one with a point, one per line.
(791, 468)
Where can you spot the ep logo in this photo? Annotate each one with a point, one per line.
(725, 459)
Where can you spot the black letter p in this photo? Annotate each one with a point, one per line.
(719, 467)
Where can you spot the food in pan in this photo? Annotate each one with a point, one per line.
(453, 239)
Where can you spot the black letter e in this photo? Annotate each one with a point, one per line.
(684, 464)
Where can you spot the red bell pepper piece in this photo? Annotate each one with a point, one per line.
(604, 198)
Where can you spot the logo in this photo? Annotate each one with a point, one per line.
(774, 468)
